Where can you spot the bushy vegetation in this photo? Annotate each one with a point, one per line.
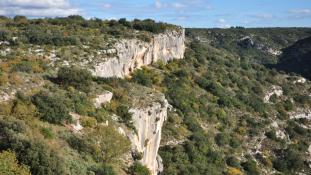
(75, 30)
(80, 79)
(138, 169)
(219, 92)
(251, 43)
(52, 108)
(105, 144)
(32, 153)
(10, 166)
(218, 117)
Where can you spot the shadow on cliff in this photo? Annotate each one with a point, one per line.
(296, 59)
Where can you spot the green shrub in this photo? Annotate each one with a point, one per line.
(138, 169)
(23, 66)
(103, 143)
(126, 116)
(149, 25)
(89, 122)
(81, 104)
(47, 133)
(36, 155)
(9, 165)
(142, 76)
(80, 79)
(22, 107)
(288, 160)
(271, 135)
(137, 155)
(234, 142)
(233, 162)
(52, 108)
(222, 139)
(104, 170)
(250, 167)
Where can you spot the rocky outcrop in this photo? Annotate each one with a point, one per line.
(274, 90)
(102, 98)
(149, 111)
(248, 42)
(132, 54)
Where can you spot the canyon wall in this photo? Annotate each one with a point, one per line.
(149, 111)
(132, 53)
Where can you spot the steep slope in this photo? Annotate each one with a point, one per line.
(149, 111)
(297, 58)
(232, 115)
(217, 111)
(262, 45)
(132, 54)
(62, 85)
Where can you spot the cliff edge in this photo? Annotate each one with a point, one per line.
(133, 53)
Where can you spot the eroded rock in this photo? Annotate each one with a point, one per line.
(274, 90)
(133, 54)
(149, 111)
(103, 98)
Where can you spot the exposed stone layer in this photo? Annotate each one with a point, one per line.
(133, 54)
(105, 97)
(149, 113)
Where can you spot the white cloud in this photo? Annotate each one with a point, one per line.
(37, 8)
(222, 23)
(177, 5)
(222, 20)
(107, 6)
(158, 4)
(264, 16)
(301, 11)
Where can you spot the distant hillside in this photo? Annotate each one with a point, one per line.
(263, 45)
(297, 58)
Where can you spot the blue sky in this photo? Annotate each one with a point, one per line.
(187, 13)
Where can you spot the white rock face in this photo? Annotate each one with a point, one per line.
(133, 54)
(148, 120)
(277, 90)
(103, 98)
(279, 132)
(300, 80)
(76, 127)
(301, 113)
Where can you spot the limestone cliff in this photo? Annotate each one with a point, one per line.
(133, 53)
(149, 113)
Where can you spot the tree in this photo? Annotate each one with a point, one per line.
(105, 170)
(51, 107)
(106, 144)
(123, 112)
(251, 167)
(222, 139)
(142, 76)
(80, 79)
(20, 19)
(138, 169)
(9, 165)
(35, 154)
(233, 162)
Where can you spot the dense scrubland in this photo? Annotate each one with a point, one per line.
(220, 122)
